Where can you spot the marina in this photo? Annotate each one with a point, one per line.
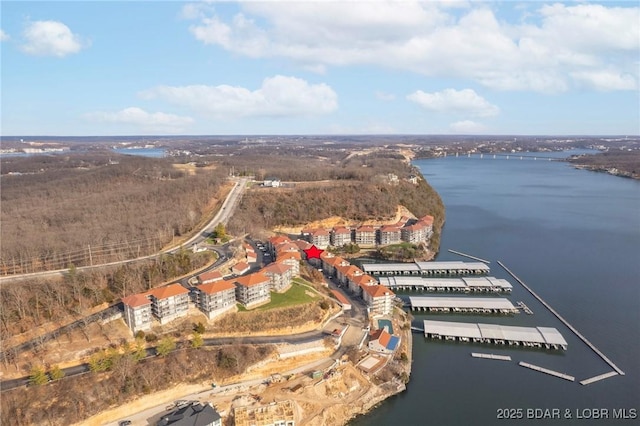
(598, 378)
(565, 322)
(491, 356)
(426, 268)
(480, 305)
(547, 371)
(534, 337)
(462, 285)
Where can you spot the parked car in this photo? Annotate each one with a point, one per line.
(124, 423)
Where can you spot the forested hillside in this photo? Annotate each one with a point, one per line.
(78, 209)
(357, 189)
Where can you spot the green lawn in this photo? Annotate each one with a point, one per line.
(296, 295)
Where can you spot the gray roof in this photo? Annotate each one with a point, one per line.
(460, 302)
(425, 266)
(193, 414)
(389, 267)
(471, 282)
(493, 331)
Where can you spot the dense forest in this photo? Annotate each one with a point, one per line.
(79, 209)
(43, 300)
(71, 400)
(626, 163)
(357, 190)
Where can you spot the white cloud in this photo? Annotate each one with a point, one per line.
(606, 80)
(465, 101)
(51, 38)
(542, 50)
(278, 96)
(137, 117)
(4, 36)
(468, 127)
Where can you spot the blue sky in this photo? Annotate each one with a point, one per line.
(318, 67)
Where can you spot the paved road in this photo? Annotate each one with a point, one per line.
(222, 216)
(250, 340)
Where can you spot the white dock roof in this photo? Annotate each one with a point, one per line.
(494, 331)
(461, 302)
(457, 329)
(472, 282)
(552, 336)
(389, 267)
(520, 334)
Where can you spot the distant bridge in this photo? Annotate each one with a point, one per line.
(510, 156)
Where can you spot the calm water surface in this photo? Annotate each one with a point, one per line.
(571, 235)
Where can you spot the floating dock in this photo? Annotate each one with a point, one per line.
(598, 378)
(547, 371)
(491, 356)
(565, 322)
(533, 337)
(479, 305)
(460, 285)
(459, 253)
(525, 308)
(426, 268)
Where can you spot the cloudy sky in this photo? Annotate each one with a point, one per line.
(320, 67)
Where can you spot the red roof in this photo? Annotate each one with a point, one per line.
(320, 233)
(136, 300)
(377, 290)
(302, 244)
(341, 230)
(240, 267)
(210, 275)
(278, 239)
(327, 255)
(348, 270)
(427, 220)
(168, 291)
(343, 300)
(366, 228)
(287, 247)
(334, 261)
(216, 287)
(277, 268)
(381, 336)
(415, 227)
(390, 228)
(289, 255)
(364, 280)
(251, 280)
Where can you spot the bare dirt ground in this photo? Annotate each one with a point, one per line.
(340, 221)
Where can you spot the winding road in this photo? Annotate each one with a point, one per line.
(222, 216)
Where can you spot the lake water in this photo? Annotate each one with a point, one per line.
(142, 152)
(574, 237)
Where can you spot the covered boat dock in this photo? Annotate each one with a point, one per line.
(426, 268)
(537, 337)
(481, 305)
(463, 284)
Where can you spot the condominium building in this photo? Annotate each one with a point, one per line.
(340, 236)
(137, 312)
(216, 298)
(280, 275)
(253, 289)
(389, 234)
(379, 299)
(365, 235)
(169, 302)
